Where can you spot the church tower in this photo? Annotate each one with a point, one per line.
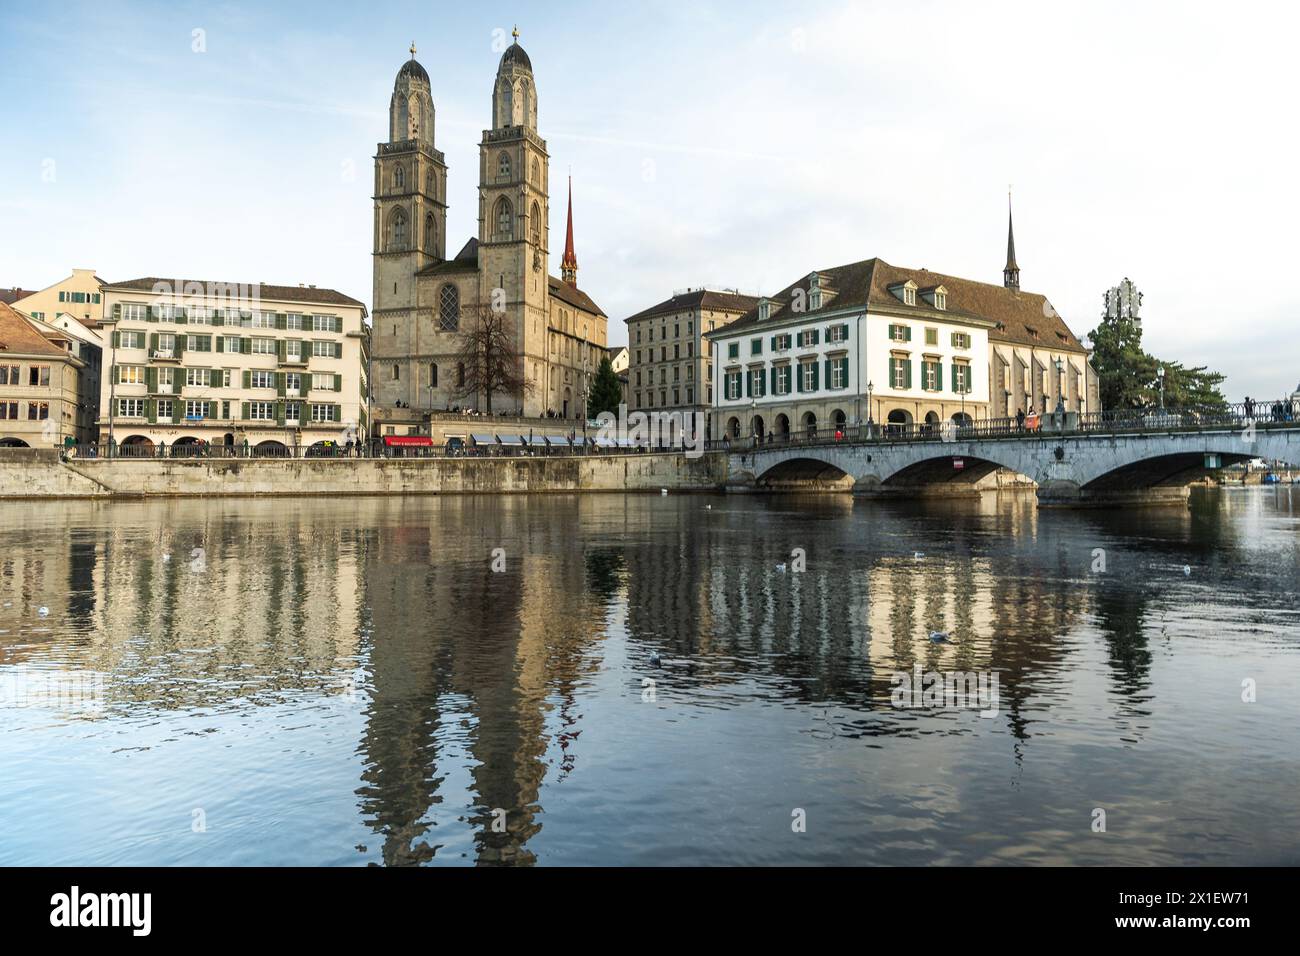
(1011, 271)
(410, 228)
(514, 211)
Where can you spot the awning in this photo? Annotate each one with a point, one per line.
(558, 441)
(510, 439)
(422, 440)
(483, 439)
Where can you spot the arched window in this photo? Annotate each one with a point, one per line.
(399, 177)
(537, 173)
(430, 233)
(433, 375)
(504, 219)
(535, 224)
(503, 166)
(460, 374)
(397, 238)
(449, 308)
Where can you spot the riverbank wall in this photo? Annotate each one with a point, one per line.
(39, 473)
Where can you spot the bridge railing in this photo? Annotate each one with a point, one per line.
(1263, 415)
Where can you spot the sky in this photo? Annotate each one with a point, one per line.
(734, 145)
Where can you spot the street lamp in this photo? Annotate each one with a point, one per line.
(871, 418)
(1060, 391)
(1160, 377)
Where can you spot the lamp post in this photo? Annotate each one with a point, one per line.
(871, 416)
(1160, 377)
(1060, 396)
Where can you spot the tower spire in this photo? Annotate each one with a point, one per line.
(569, 264)
(1011, 271)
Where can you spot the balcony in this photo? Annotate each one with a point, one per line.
(164, 355)
(298, 360)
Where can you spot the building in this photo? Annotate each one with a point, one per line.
(225, 363)
(422, 297)
(78, 295)
(619, 359)
(42, 374)
(670, 368)
(11, 295)
(86, 343)
(870, 342)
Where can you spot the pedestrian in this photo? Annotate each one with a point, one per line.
(1020, 419)
(1250, 407)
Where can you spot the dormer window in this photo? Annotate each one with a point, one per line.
(941, 300)
(936, 296)
(764, 309)
(905, 291)
(814, 291)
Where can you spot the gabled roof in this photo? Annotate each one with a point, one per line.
(572, 295)
(280, 293)
(19, 337)
(703, 299)
(1015, 315)
(10, 296)
(466, 261)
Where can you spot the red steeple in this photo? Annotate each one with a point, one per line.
(569, 264)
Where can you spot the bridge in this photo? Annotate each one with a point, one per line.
(1090, 460)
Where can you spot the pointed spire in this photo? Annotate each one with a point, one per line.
(569, 264)
(1011, 271)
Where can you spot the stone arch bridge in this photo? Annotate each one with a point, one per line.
(1070, 467)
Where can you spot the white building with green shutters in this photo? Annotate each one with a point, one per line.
(227, 363)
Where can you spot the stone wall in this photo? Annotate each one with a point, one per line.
(30, 476)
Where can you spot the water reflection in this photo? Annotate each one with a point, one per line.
(633, 663)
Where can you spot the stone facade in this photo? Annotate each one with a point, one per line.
(421, 296)
(45, 395)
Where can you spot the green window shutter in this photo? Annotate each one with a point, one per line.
(280, 347)
(746, 376)
(215, 377)
(338, 349)
(221, 343)
(304, 350)
(248, 379)
(338, 382)
(828, 373)
(151, 410)
(151, 380)
(817, 378)
(279, 384)
(907, 373)
(218, 317)
(816, 336)
(116, 376)
(774, 381)
(797, 372)
(153, 342)
(117, 340)
(181, 342)
(243, 410)
(279, 413)
(338, 323)
(180, 317)
(279, 320)
(178, 380)
(148, 314)
(246, 346)
(117, 311)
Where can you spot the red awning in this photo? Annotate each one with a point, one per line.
(423, 440)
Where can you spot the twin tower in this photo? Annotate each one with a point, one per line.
(421, 295)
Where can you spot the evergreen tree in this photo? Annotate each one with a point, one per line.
(606, 392)
(1127, 376)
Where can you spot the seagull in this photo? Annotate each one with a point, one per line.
(43, 611)
(938, 637)
(166, 557)
(654, 659)
(918, 555)
(1187, 570)
(708, 507)
(781, 567)
(663, 491)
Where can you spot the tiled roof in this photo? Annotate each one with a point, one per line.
(19, 336)
(10, 296)
(704, 299)
(572, 295)
(467, 261)
(1018, 317)
(282, 293)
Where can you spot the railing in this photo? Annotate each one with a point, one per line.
(1260, 415)
(191, 450)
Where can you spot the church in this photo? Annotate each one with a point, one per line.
(422, 297)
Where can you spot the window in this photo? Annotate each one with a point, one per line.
(293, 411)
(732, 385)
(961, 340)
(262, 379)
(900, 333)
(8, 410)
(165, 409)
(782, 383)
(399, 177)
(397, 231)
(232, 344)
(292, 383)
(809, 372)
(433, 375)
(323, 381)
(503, 166)
(166, 377)
(755, 346)
(131, 340)
(199, 343)
(323, 349)
(130, 407)
(263, 346)
(837, 333)
(900, 372)
(134, 312)
(261, 411)
(199, 315)
(262, 320)
(460, 374)
(201, 377)
(40, 375)
(293, 350)
(430, 232)
(449, 308)
(757, 381)
(941, 300)
(324, 413)
(293, 320)
(130, 375)
(38, 411)
(9, 375)
(839, 368)
(909, 295)
(397, 373)
(961, 378)
(504, 219)
(196, 410)
(931, 376)
(808, 338)
(326, 323)
(931, 336)
(733, 350)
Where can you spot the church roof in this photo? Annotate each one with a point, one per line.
(573, 295)
(705, 299)
(275, 293)
(515, 56)
(18, 336)
(467, 261)
(1017, 317)
(413, 69)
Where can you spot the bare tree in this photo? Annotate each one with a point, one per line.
(489, 355)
